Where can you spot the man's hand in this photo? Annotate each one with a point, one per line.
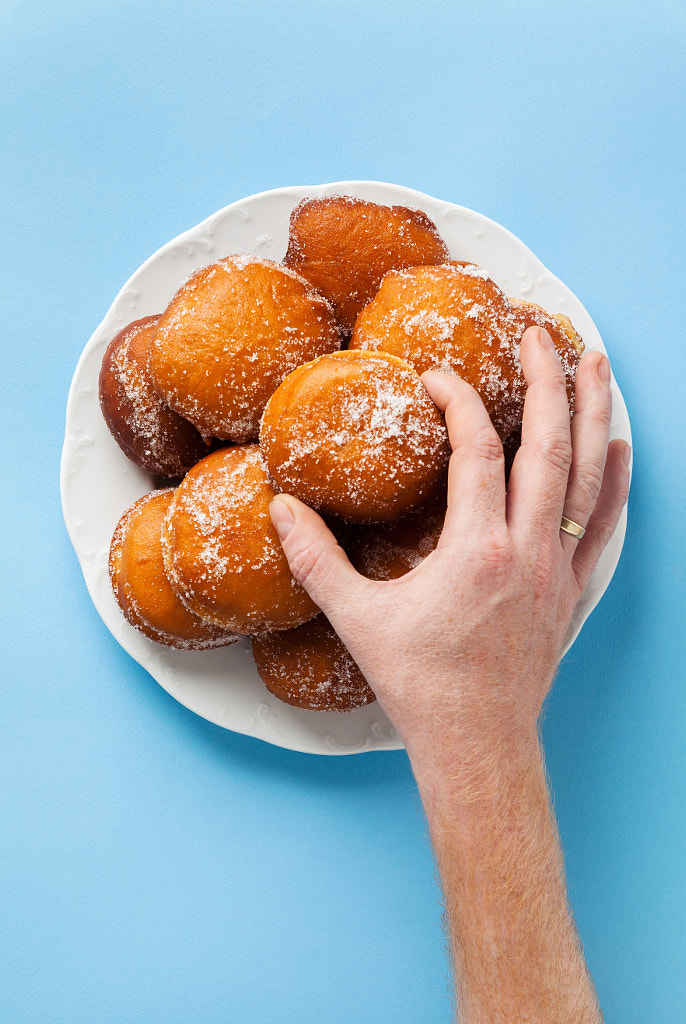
(472, 635)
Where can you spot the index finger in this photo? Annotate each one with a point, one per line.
(476, 475)
(540, 472)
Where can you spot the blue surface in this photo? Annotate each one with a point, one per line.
(154, 867)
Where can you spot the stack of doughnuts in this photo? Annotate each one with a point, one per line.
(304, 377)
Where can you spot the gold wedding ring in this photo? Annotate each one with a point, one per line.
(572, 528)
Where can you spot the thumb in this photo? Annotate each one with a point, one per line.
(315, 558)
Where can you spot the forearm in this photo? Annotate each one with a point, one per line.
(515, 947)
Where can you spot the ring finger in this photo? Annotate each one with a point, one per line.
(590, 435)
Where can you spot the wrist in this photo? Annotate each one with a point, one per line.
(475, 771)
(460, 702)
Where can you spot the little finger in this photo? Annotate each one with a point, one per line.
(603, 520)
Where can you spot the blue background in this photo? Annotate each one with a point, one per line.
(156, 868)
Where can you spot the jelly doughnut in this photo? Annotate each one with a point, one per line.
(310, 667)
(151, 434)
(221, 553)
(356, 435)
(345, 246)
(141, 586)
(229, 336)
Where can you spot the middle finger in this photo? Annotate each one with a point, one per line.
(540, 472)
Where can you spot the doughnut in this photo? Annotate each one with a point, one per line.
(310, 667)
(149, 433)
(455, 318)
(355, 434)
(386, 551)
(344, 247)
(558, 326)
(140, 584)
(221, 553)
(229, 336)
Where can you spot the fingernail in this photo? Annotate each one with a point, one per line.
(604, 370)
(626, 455)
(282, 517)
(544, 339)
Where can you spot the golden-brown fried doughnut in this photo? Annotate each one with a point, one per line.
(344, 247)
(455, 318)
(230, 335)
(386, 551)
(221, 553)
(150, 433)
(141, 586)
(311, 668)
(558, 326)
(355, 434)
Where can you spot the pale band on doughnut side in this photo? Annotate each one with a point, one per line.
(572, 528)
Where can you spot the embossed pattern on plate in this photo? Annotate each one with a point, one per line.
(98, 482)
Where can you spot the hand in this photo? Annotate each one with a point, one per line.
(471, 638)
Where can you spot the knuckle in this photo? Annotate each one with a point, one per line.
(594, 407)
(586, 483)
(555, 448)
(485, 444)
(553, 385)
(311, 564)
(623, 492)
(602, 415)
(303, 563)
(496, 555)
(604, 534)
(603, 528)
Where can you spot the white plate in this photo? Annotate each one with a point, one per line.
(98, 482)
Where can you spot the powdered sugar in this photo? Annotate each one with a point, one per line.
(473, 270)
(441, 326)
